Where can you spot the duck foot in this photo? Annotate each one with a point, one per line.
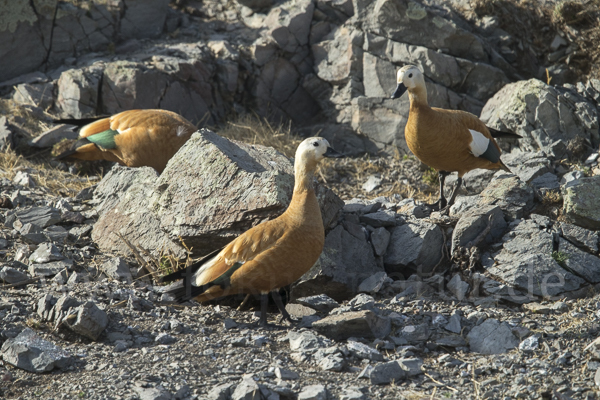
(279, 303)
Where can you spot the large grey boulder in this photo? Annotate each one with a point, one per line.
(78, 93)
(346, 261)
(542, 114)
(89, 320)
(279, 93)
(211, 191)
(288, 25)
(415, 245)
(143, 18)
(124, 206)
(338, 55)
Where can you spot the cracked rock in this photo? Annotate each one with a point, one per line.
(30, 352)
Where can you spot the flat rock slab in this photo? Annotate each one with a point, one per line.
(526, 264)
(313, 392)
(30, 352)
(50, 268)
(492, 337)
(580, 237)
(511, 194)
(320, 302)
(364, 323)
(39, 216)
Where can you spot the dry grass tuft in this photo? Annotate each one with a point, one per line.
(552, 198)
(258, 130)
(22, 116)
(58, 183)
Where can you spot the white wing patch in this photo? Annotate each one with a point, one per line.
(181, 130)
(198, 278)
(479, 144)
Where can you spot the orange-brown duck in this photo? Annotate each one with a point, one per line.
(270, 255)
(134, 138)
(446, 140)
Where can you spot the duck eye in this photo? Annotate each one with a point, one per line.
(410, 75)
(316, 144)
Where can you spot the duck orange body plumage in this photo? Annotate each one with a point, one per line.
(133, 138)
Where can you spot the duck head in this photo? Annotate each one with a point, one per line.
(314, 149)
(409, 77)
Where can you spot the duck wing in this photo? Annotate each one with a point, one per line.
(217, 269)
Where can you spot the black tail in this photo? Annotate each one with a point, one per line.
(501, 134)
(182, 273)
(78, 121)
(184, 290)
(73, 149)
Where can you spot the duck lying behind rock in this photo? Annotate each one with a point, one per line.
(134, 138)
(270, 255)
(446, 140)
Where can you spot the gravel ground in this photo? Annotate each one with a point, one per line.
(192, 351)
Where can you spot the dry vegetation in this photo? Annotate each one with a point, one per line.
(57, 182)
(400, 175)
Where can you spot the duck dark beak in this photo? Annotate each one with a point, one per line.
(400, 89)
(330, 152)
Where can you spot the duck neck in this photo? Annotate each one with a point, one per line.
(418, 96)
(304, 174)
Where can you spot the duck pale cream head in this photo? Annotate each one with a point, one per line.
(313, 150)
(409, 77)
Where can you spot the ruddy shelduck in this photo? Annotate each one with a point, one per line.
(133, 138)
(446, 140)
(268, 256)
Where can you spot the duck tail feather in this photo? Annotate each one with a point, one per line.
(502, 134)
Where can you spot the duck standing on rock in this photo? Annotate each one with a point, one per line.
(446, 140)
(268, 256)
(133, 138)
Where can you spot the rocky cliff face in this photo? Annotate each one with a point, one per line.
(330, 63)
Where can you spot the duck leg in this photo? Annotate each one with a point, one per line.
(441, 203)
(264, 304)
(446, 209)
(279, 304)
